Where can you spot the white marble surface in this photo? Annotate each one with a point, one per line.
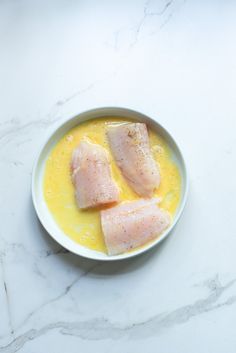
(174, 60)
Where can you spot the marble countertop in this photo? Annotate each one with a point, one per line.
(174, 60)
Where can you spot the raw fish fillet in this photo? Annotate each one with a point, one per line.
(130, 146)
(91, 176)
(132, 224)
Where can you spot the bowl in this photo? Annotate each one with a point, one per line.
(40, 205)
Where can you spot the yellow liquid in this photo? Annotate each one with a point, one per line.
(83, 226)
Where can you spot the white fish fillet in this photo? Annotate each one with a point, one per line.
(91, 176)
(130, 146)
(132, 224)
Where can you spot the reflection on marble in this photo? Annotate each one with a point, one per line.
(174, 60)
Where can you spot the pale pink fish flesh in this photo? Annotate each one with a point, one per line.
(130, 146)
(132, 224)
(91, 176)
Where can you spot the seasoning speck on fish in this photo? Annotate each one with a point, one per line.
(91, 176)
(130, 146)
(132, 224)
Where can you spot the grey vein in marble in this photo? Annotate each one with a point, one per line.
(137, 29)
(63, 293)
(15, 127)
(7, 295)
(44, 253)
(51, 252)
(77, 93)
(146, 15)
(101, 328)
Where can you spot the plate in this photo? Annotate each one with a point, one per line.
(40, 205)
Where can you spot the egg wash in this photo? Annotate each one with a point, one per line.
(83, 226)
